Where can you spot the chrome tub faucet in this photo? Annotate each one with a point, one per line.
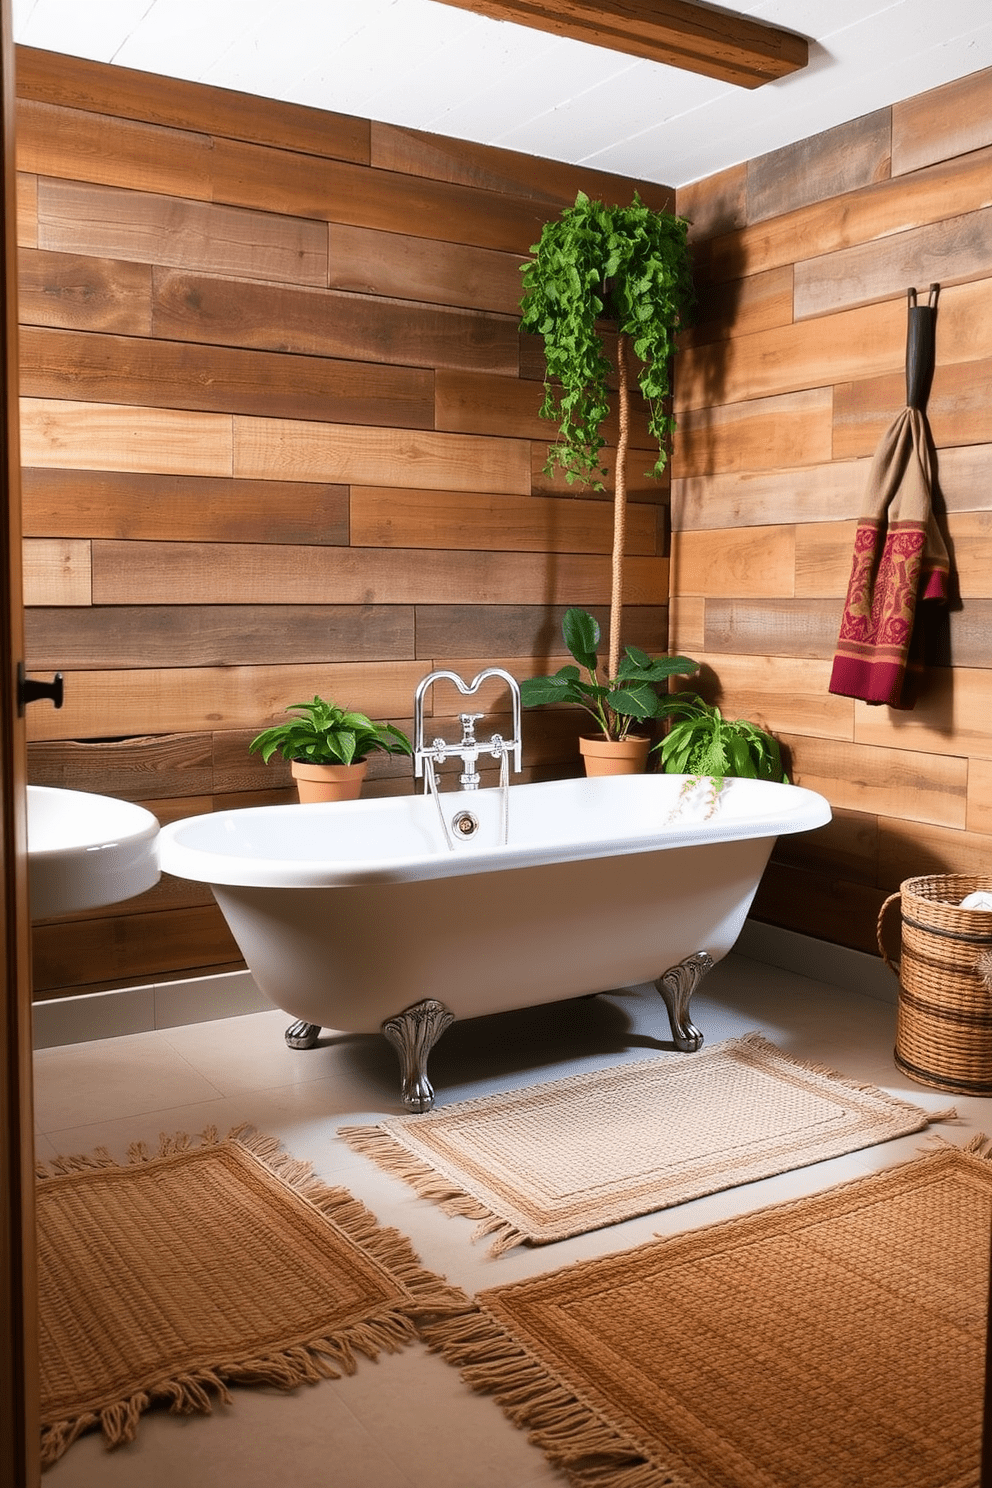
(468, 748)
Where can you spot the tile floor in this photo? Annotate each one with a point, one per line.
(407, 1419)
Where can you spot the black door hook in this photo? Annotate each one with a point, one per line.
(29, 691)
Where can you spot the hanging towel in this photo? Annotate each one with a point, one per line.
(900, 559)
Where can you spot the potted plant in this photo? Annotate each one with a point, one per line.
(600, 268)
(328, 748)
(703, 743)
(617, 701)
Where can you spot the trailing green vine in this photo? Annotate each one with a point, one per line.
(630, 264)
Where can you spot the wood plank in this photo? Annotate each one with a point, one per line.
(524, 630)
(961, 639)
(687, 624)
(832, 492)
(481, 403)
(824, 905)
(81, 953)
(715, 205)
(823, 556)
(144, 226)
(907, 850)
(112, 503)
(133, 769)
(56, 571)
(230, 312)
(125, 93)
(871, 213)
(27, 209)
(943, 122)
(387, 517)
(398, 266)
(193, 699)
(729, 47)
(971, 543)
(291, 449)
(296, 185)
(759, 498)
(964, 475)
(464, 163)
(961, 246)
(764, 434)
(951, 715)
(78, 291)
(134, 636)
(220, 379)
(743, 561)
(78, 146)
(830, 164)
(772, 627)
(847, 847)
(100, 436)
(916, 787)
(243, 776)
(823, 560)
(980, 796)
(242, 573)
(861, 343)
(957, 408)
(739, 307)
(641, 485)
(956, 636)
(786, 695)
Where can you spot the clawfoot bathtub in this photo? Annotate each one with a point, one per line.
(379, 915)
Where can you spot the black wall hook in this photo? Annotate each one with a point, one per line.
(920, 348)
(30, 691)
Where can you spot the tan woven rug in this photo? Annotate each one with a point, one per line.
(208, 1263)
(835, 1342)
(549, 1161)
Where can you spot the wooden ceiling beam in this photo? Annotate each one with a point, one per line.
(715, 43)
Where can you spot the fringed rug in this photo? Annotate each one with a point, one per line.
(205, 1264)
(549, 1161)
(834, 1342)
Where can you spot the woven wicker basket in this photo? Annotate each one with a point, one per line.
(944, 1023)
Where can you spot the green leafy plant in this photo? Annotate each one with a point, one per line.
(618, 702)
(630, 264)
(703, 743)
(594, 265)
(321, 733)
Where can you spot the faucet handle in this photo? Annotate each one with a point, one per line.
(468, 722)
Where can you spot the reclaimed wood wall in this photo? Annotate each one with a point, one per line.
(280, 436)
(804, 259)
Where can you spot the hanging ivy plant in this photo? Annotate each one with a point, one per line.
(630, 264)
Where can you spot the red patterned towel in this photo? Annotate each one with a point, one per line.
(899, 560)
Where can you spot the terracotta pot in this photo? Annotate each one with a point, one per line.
(328, 782)
(615, 757)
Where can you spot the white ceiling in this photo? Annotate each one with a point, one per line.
(431, 66)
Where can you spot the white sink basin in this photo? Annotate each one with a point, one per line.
(86, 850)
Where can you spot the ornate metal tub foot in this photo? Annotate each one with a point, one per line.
(413, 1034)
(677, 986)
(302, 1035)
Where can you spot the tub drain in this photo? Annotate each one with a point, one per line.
(465, 824)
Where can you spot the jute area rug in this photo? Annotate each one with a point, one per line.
(834, 1342)
(557, 1159)
(208, 1263)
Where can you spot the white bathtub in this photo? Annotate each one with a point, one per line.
(358, 916)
